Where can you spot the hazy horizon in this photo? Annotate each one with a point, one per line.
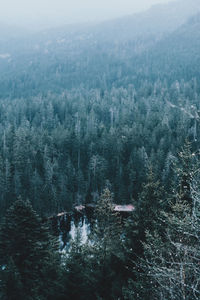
(50, 13)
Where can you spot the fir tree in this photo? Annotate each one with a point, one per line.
(107, 250)
(172, 259)
(185, 171)
(78, 279)
(149, 204)
(27, 254)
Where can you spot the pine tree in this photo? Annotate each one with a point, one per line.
(172, 262)
(185, 172)
(149, 204)
(27, 254)
(78, 278)
(172, 259)
(107, 249)
(145, 217)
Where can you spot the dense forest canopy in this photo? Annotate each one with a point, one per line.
(69, 95)
(105, 113)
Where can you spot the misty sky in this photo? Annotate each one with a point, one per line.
(56, 12)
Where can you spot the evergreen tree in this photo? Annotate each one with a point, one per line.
(172, 259)
(107, 250)
(78, 281)
(28, 254)
(172, 262)
(185, 173)
(149, 204)
(145, 218)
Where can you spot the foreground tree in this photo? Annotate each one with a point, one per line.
(172, 259)
(28, 256)
(173, 262)
(146, 218)
(78, 276)
(107, 250)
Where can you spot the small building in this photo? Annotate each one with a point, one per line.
(118, 208)
(124, 208)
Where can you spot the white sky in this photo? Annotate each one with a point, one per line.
(55, 12)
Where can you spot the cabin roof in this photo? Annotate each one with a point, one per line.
(124, 208)
(116, 207)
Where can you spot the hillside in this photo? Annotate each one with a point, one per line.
(178, 53)
(70, 56)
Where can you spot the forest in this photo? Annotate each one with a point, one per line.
(102, 115)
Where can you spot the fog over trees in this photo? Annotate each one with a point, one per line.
(40, 14)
